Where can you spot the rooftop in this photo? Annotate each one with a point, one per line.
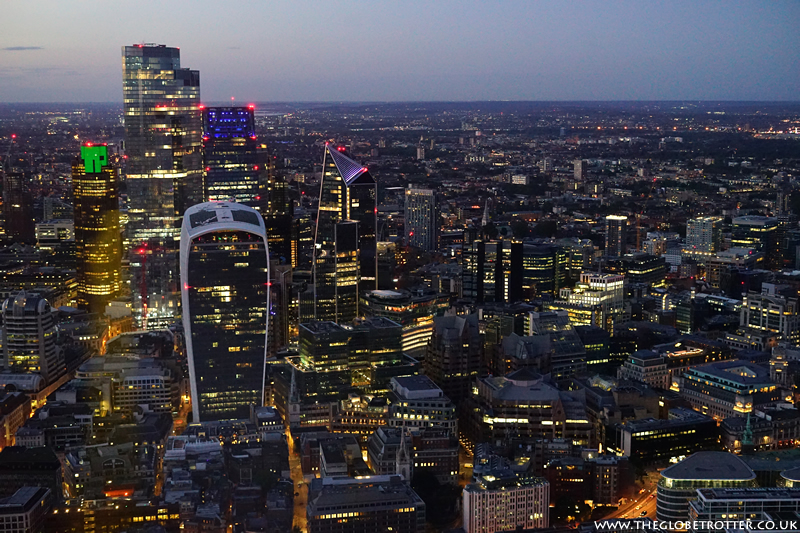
(710, 466)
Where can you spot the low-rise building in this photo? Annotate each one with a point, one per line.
(645, 366)
(26, 510)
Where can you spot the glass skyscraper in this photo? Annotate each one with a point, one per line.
(234, 166)
(225, 292)
(345, 234)
(97, 231)
(164, 174)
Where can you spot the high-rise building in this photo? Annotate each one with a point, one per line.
(97, 231)
(345, 245)
(29, 337)
(18, 208)
(616, 235)
(759, 233)
(579, 169)
(704, 234)
(567, 353)
(511, 271)
(235, 168)
(421, 219)
(455, 354)
(164, 173)
(225, 284)
(600, 295)
(413, 310)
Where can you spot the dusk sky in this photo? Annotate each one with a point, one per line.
(70, 51)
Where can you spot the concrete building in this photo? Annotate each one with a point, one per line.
(416, 402)
(646, 366)
(26, 510)
(364, 505)
(454, 354)
(616, 235)
(501, 501)
(727, 388)
(704, 234)
(29, 337)
(780, 506)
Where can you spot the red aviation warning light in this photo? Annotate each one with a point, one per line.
(251, 106)
(14, 136)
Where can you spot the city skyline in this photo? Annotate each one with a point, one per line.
(417, 52)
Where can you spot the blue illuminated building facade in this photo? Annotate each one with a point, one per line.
(235, 164)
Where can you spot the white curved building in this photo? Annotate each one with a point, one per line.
(225, 296)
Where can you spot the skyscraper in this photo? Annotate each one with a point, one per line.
(164, 171)
(224, 279)
(29, 337)
(235, 168)
(18, 207)
(345, 234)
(421, 219)
(616, 235)
(97, 231)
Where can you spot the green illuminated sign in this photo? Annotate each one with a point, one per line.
(94, 157)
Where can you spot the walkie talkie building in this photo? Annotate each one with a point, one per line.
(225, 292)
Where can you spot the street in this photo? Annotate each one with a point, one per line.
(300, 487)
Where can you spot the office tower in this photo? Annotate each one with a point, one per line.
(579, 170)
(616, 235)
(704, 234)
(596, 300)
(364, 504)
(224, 279)
(164, 173)
(18, 208)
(235, 168)
(97, 231)
(375, 351)
(302, 244)
(345, 237)
(413, 310)
(567, 353)
(278, 217)
(501, 500)
(510, 271)
(421, 219)
(29, 337)
(454, 355)
(680, 482)
(759, 233)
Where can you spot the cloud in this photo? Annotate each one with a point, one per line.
(21, 48)
(234, 48)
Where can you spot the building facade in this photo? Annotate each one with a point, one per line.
(164, 173)
(97, 230)
(224, 278)
(421, 219)
(29, 337)
(502, 501)
(345, 244)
